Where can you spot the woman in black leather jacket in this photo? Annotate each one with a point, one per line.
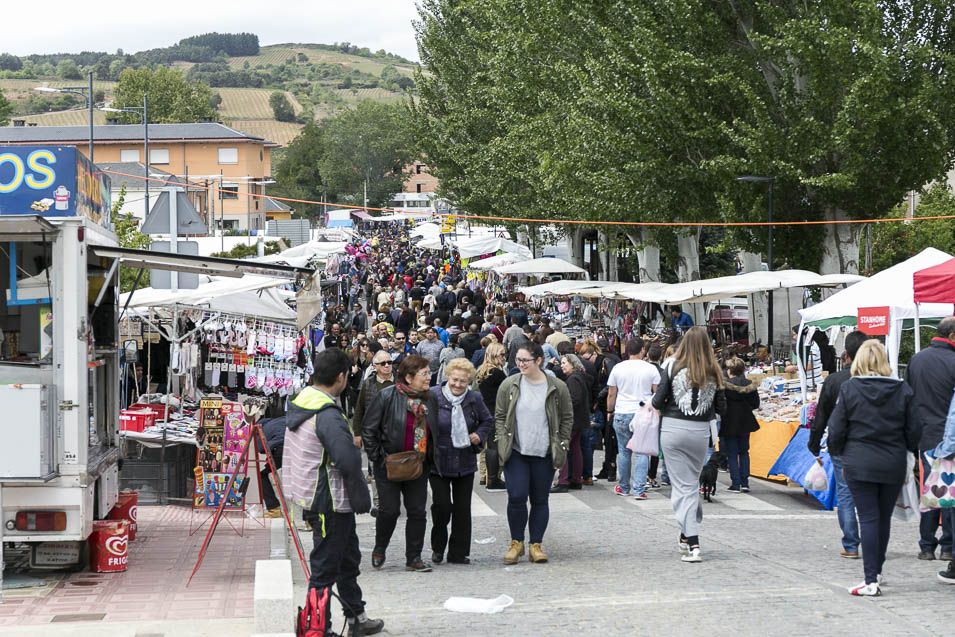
(396, 421)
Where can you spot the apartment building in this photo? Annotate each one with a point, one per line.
(230, 168)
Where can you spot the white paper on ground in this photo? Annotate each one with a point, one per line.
(486, 540)
(477, 605)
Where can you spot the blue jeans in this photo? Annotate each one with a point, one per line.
(848, 521)
(641, 463)
(736, 449)
(588, 440)
(528, 477)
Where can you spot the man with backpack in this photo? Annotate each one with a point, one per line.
(324, 476)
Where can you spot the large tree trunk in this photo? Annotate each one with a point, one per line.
(607, 256)
(688, 268)
(576, 239)
(758, 303)
(840, 250)
(648, 257)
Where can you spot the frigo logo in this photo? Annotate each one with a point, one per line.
(117, 545)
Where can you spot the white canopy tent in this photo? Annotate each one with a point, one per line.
(542, 266)
(892, 287)
(250, 295)
(492, 262)
(470, 247)
(426, 230)
(750, 283)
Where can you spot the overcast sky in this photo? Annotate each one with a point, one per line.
(71, 26)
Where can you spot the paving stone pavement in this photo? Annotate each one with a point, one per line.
(771, 567)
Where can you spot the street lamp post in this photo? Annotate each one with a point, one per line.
(143, 112)
(769, 250)
(83, 91)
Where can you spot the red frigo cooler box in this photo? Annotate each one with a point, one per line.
(109, 545)
(126, 508)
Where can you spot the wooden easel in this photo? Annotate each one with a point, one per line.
(255, 435)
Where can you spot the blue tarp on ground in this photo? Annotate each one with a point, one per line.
(794, 462)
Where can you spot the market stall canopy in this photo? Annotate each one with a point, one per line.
(400, 216)
(545, 265)
(892, 287)
(564, 287)
(302, 254)
(361, 214)
(251, 295)
(935, 284)
(476, 246)
(717, 288)
(492, 262)
(213, 266)
(427, 230)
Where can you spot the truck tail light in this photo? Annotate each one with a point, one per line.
(40, 521)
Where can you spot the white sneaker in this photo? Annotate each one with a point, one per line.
(684, 548)
(693, 555)
(866, 590)
(881, 579)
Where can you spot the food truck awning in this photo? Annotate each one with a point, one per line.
(213, 266)
(17, 227)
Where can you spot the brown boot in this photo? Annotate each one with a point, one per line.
(538, 556)
(514, 552)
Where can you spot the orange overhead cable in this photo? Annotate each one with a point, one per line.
(651, 224)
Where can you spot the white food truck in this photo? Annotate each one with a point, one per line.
(59, 351)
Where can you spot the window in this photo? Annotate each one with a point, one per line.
(228, 155)
(229, 191)
(129, 156)
(417, 169)
(230, 224)
(159, 156)
(418, 187)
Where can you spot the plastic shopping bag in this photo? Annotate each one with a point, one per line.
(478, 605)
(907, 504)
(646, 432)
(816, 479)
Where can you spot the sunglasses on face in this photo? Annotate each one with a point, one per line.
(384, 363)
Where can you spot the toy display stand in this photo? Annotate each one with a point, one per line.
(238, 482)
(222, 463)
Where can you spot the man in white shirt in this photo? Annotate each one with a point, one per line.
(629, 388)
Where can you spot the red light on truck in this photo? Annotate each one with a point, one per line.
(40, 521)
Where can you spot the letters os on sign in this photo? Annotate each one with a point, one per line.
(53, 181)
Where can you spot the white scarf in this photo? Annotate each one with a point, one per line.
(459, 426)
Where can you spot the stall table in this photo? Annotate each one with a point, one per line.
(766, 445)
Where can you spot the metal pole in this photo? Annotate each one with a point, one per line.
(173, 234)
(146, 145)
(221, 213)
(769, 258)
(89, 103)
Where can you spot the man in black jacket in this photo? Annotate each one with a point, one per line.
(848, 521)
(931, 376)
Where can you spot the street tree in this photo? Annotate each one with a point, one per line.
(297, 172)
(172, 99)
(367, 148)
(649, 111)
(6, 109)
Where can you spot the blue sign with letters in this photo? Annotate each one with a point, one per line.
(52, 181)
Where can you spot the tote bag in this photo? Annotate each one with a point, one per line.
(938, 488)
(646, 431)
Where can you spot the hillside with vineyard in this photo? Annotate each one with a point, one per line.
(317, 80)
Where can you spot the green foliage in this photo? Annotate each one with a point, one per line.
(649, 110)
(228, 43)
(68, 70)
(126, 227)
(297, 173)
(10, 62)
(369, 144)
(894, 242)
(281, 107)
(244, 251)
(6, 109)
(172, 99)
